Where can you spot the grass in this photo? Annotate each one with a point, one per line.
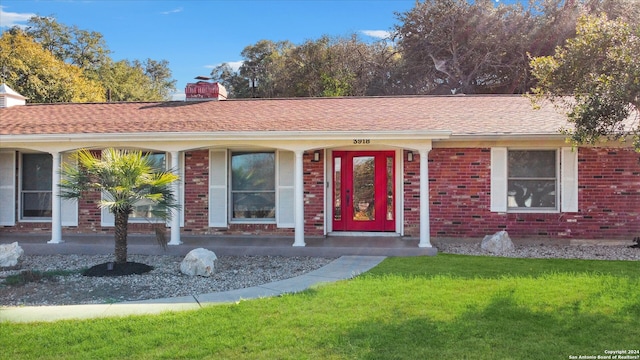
(448, 306)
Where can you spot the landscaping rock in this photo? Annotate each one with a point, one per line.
(199, 262)
(497, 243)
(10, 254)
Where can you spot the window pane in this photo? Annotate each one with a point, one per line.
(532, 193)
(254, 205)
(253, 183)
(337, 181)
(253, 171)
(36, 204)
(36, 171)
(363, 188)
(532, 164)
(143, 208)
(390, 188)
(158, 161)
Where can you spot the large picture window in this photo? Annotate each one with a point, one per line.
(36, 188)
(253, 186)
(532, 179)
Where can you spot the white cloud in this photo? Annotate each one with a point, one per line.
(235, 65)
(178, 96)
(10, 19)
(176, 10)
(379, 34)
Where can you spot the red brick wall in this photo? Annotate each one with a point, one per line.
(609, 194)
(459, 184)
(411, 195)
(196, 192)
(459, 180)
(314, 201)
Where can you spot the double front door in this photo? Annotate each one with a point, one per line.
(364, 190)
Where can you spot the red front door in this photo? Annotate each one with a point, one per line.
(364, 191)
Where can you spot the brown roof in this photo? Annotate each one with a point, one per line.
(480, 115)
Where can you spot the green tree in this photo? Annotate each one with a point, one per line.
(124, 178)
(37, 74)
(86, 49)
(125, 80)
(323, 67)
(456, 46)
(233, 82)
(600, 69)
(261, 67)
(161, 84)
(53, 36)
(134, 81)
(329, 67)
(463, 46)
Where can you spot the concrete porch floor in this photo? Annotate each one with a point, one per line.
(331, 246)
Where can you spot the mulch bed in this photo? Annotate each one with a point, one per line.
(117, 269)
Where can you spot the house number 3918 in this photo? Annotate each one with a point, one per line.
(361, 141)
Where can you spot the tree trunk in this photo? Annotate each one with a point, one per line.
(121, 223)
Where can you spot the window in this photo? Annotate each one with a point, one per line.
(253, 190)
(143, 209)
(36, 186)
(532, 179)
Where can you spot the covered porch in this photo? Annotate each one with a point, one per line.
(329, 246)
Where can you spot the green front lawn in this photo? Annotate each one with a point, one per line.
(442, 307)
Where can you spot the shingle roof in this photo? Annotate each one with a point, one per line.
(473, 115)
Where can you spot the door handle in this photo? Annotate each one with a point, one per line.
(348, 197)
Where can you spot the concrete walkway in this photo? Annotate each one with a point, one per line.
(342, 268)
(330, 246)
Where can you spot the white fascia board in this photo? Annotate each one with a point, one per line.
(6, 140)
(506, 136)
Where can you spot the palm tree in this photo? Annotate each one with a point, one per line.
(124, 178)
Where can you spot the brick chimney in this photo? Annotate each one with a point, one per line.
(204, 90)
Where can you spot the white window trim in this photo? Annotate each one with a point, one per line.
(69, 210)
(543, 210)
(220, 207)
(21, 218)
(233, 220)
(284, 188)
(8, 188)
(218, 194)
(569, 175)
(566, 181)
(69, 216)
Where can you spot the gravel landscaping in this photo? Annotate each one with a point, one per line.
(232, 272)
(165, 280)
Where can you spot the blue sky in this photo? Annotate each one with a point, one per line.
(194, 36)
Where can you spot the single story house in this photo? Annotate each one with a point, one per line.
(408, 166)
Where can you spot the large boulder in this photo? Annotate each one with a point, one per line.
(199, 262)
(10, 254)
(497, 243)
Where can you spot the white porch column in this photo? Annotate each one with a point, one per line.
(425, 237)
(175, 213)
(299, 199)
(56, 202)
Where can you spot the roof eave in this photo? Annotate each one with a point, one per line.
(507, 136)
(226, 136)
